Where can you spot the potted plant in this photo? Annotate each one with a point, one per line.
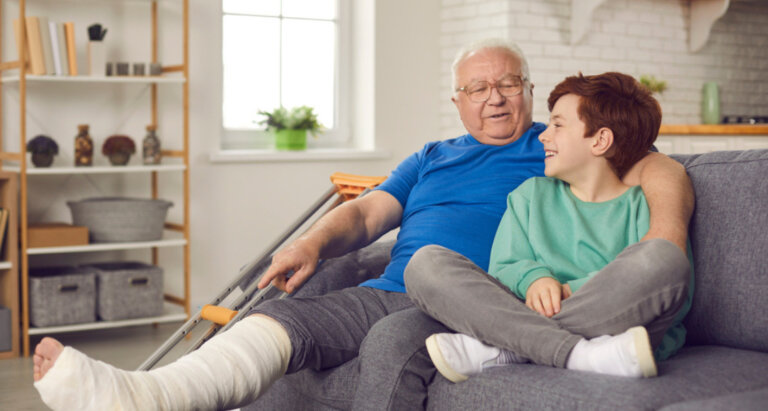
(290, 126)
(652, 84)
(119, 149)
(43, 148)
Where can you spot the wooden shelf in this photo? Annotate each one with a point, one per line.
(9, 268)
(171, 313)
(167, 241)
(176, 235)
(97, 169)
(96, 79)
(716, 129)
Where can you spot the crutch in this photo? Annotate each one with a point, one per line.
(345, 187)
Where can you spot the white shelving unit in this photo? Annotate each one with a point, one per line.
(165, 242)
(98, 169)
(96, 79)
(171, 313)
(15, 74)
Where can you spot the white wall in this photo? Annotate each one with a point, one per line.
(238, 209)
(633, 36)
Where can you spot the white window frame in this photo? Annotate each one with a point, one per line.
(340, 136)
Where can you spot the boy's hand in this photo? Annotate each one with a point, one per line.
(566, 291)
(544, 295)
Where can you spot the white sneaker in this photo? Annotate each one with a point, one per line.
(628, 354)
(457, 356)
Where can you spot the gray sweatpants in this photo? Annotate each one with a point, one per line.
(645, 285)
(384, 329)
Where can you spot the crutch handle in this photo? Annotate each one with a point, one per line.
(351, 185)
(216, 314)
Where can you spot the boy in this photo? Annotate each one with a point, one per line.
(552, 245)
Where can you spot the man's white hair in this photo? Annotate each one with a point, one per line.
(491, 43)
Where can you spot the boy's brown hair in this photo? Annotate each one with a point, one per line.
(618, 102)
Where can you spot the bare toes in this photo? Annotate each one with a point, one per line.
(46, 354)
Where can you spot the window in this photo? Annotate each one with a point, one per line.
(281, 52)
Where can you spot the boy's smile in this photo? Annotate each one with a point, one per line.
(566, 148)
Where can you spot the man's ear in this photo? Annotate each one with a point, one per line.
(603, 141)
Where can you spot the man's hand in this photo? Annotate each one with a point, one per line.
(544, 295)
(299, 257)
(669, 193)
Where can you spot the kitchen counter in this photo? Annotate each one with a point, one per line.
(702, 138)
(714, 129)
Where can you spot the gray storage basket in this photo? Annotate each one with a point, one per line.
(61, 295)
(5, 329)
(120, 219)
(128, 290)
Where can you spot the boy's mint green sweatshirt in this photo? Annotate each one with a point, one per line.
(547, 232)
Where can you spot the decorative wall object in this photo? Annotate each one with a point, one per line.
(710, 103)
(119, 149)
(43, 148)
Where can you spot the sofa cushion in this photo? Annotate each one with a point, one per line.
(695, 373)
(332, 389)
(749, 400)
(729, 238)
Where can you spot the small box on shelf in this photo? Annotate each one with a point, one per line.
(56, 235)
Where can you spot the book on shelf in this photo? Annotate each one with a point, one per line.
(45, 37)
(20, 38)
(4, 212)
(35, 45)
(69, 32)
(59, 48)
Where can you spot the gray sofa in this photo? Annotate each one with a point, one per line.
(724, 365)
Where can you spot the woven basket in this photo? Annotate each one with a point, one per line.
(128, 289)
(120, 219)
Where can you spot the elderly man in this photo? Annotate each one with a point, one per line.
(450, 193)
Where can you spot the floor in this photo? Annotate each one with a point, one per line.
(125, 348)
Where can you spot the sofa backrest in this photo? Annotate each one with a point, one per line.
(729, 238)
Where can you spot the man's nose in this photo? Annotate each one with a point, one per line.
(496, 99)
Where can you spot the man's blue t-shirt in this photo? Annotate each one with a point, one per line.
(453, 194)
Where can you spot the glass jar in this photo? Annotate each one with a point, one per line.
(151, 147)
(83, 147)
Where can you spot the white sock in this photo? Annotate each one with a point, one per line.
(231, 369)
(628, 355)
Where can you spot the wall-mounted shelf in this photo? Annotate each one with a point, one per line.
(715, 129)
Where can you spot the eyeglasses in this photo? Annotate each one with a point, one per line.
(508, 86)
